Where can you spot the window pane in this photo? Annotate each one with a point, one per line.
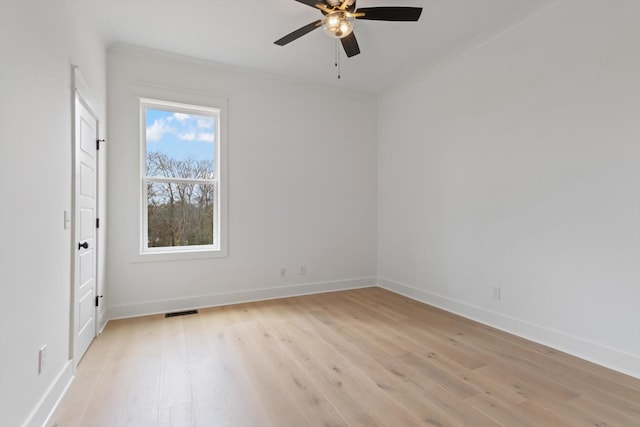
(180, 214)
(179, 145)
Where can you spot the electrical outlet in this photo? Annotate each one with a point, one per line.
(303, 270)
(495, 292)
(283, 272)
(42, 358)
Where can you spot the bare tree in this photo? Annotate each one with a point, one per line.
(179, 213)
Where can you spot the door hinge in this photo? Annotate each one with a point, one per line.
(98, 141)
(97, 222)
(98, 300)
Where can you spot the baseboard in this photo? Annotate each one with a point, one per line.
(596, 353)
(212, 300)
(611, 358)
(49, 401)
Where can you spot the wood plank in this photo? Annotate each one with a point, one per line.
(403, 383)
(499, 411)
(364, 357)
(347, 402)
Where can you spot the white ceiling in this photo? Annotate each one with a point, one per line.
(242, 32)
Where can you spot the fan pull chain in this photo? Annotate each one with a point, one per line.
(337, 61)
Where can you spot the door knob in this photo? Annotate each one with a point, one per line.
(83, 245)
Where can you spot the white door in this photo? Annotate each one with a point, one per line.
(85, 229)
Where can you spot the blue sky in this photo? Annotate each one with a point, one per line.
(180, 135)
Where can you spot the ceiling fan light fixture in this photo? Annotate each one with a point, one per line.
(338, 24)
(338, 21)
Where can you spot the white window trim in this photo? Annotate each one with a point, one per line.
(188, 102)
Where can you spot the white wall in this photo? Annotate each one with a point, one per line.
(302, 172)
(516, 163)
(39, 41)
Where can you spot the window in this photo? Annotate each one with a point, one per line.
(180, 178)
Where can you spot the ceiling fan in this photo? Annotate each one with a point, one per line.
(338, 20)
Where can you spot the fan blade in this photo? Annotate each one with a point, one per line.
(390, 13)
(350, 45)
(298, 33)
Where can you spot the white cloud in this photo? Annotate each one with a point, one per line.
(206, 136)
(205, 123)
(185, 127)
(187, 136)
(156, 131)
(181, 117)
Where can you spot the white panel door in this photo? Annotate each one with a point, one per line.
(85, 231)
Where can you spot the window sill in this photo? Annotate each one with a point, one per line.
(181, 255)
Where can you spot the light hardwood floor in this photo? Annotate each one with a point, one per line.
(364, 357)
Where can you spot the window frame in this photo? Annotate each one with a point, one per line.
(217, 110)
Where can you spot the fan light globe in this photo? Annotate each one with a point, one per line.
(337, 24)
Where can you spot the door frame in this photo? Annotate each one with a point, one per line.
(80, 93)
